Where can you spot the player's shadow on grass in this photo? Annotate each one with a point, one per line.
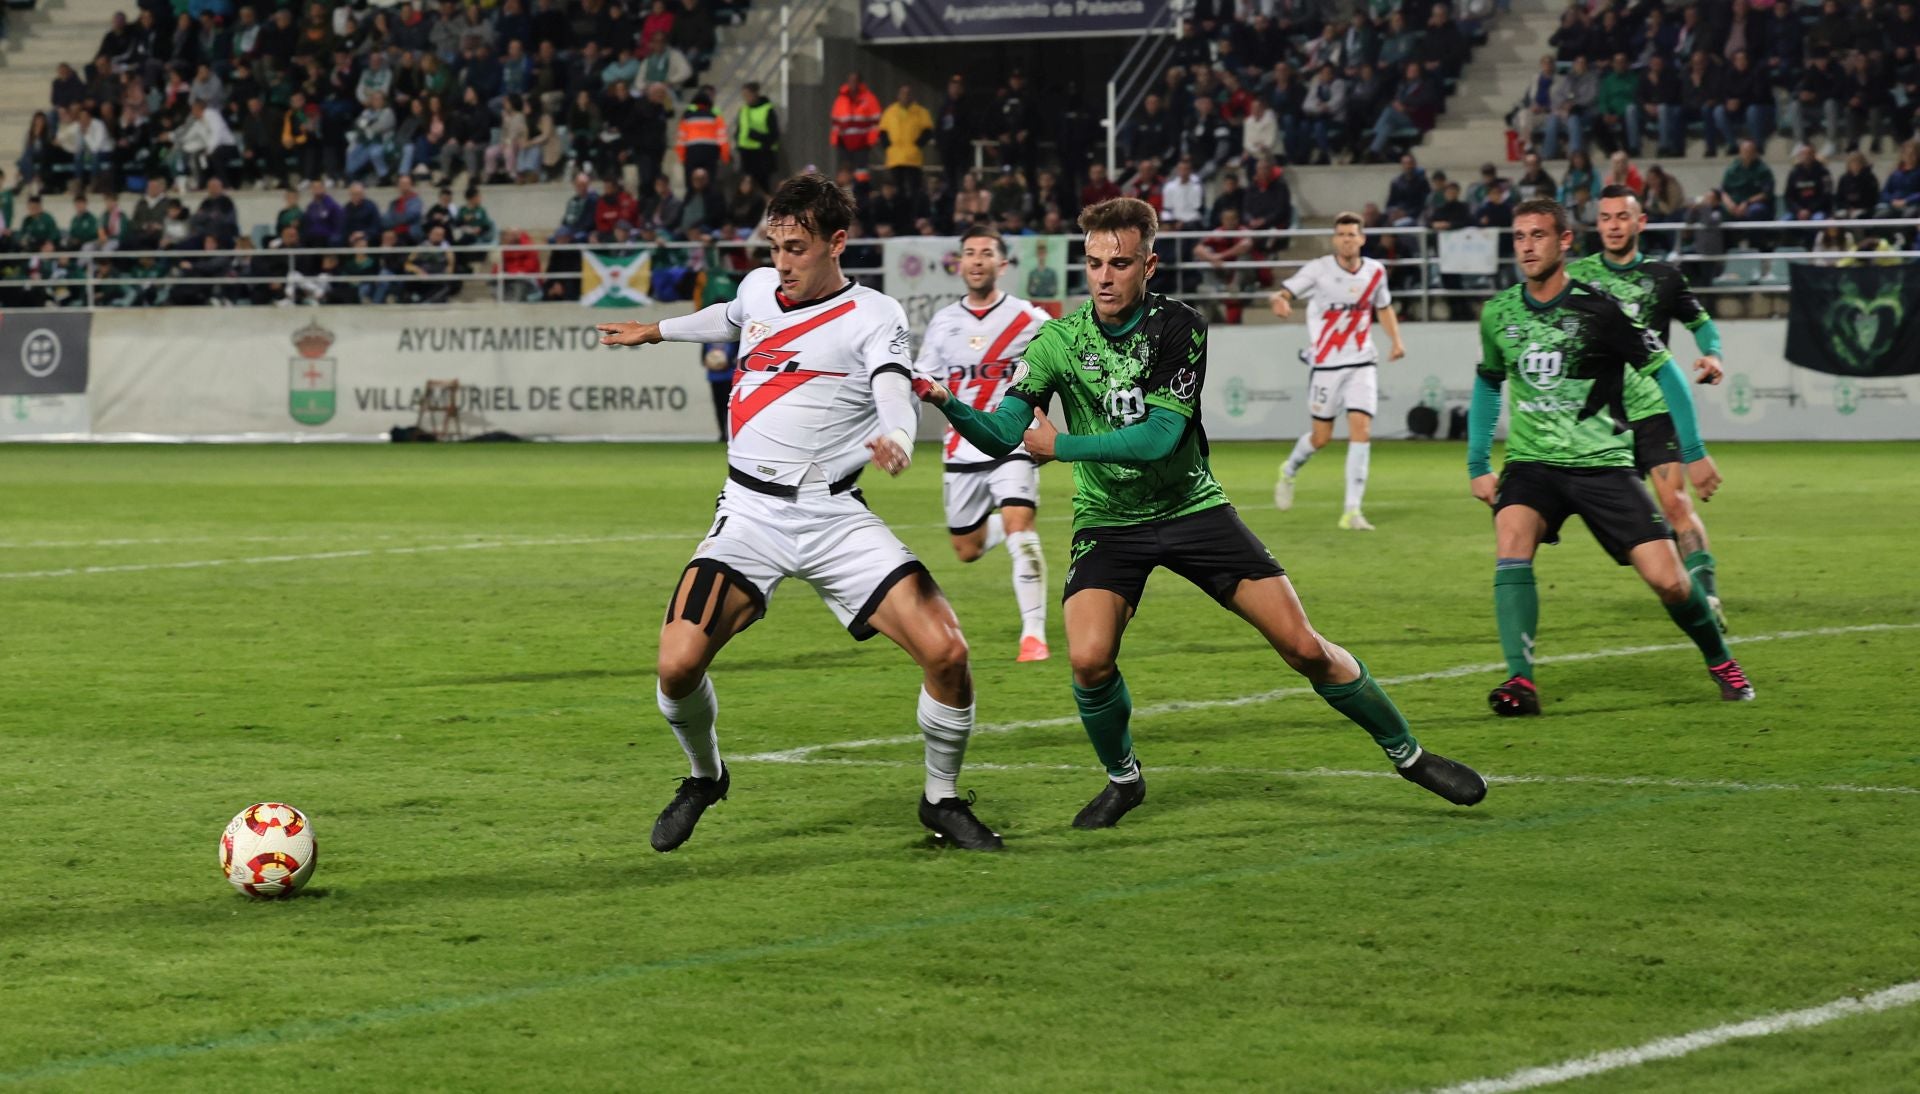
(813, 659)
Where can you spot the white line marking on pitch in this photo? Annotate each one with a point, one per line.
(1339, 773)
(1667, 1048)
(790, 755)
(320, 556)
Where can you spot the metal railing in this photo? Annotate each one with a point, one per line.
(107, 278)
(1136, 73)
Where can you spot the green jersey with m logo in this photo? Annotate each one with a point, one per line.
(1108, 380)
(1653, 294)
(1566, 363)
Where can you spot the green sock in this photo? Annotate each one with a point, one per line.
(1695, 617)
(1700, 565)
(1516, 604)
(1368, 707)
(1105, 710)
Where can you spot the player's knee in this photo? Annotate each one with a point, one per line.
(1306, 655)
(1318, 442)
(966, 550)
(1091, 668)
(1673, 588)
(946, 657)
(679, 670)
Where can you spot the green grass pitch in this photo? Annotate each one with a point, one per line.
(444, 655)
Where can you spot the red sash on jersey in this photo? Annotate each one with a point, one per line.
(983, 389)
(1333, 336)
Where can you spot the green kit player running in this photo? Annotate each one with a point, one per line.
(1654, 294)
(1128, 368)
(1566, 350)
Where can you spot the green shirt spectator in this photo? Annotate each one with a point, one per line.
(39, 226)
(84, 228)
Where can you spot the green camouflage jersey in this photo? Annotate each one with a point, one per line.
(1107, 382)
(1566, 363)
(1653, 294)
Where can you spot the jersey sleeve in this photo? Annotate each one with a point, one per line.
(1638, 348)
(1179, 361)
(1686, 306)
(1493, 364)
(1301, 284)
(885, 344)
(1036, 370)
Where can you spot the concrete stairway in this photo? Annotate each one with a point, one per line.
(38, 40)
(1473, 130)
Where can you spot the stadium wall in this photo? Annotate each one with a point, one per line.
(1257, 390)
(351, 374)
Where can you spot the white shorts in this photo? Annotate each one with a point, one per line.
(832, 542)
(972, 496)
(1331, 390)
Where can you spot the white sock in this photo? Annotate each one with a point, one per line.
(1029, 582)
(692, 719)
(996, 533)
(1303, 451)
(946, 730)
(1359, 453)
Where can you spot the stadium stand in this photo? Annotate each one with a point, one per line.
(1274, 113)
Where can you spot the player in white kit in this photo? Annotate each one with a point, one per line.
(823, 385)
(970, 346)
(1345, 293)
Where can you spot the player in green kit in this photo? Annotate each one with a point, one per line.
(1565, 351)
(1128, 368)
(1654, 294)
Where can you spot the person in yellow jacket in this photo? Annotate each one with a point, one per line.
(702, 139)
(905, 129)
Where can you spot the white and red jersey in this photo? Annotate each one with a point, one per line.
(803, 386)
(1340, 307)
(973, 352)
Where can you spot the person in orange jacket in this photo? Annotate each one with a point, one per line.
(856, 122)
(702, 140)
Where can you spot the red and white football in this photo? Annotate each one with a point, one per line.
(268, 850)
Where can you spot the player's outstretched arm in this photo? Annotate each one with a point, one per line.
(1143, 442)
(629, 334)
(996, 433)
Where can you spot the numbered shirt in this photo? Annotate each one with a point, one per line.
(803, 385)
(1652, 294)
(1107, 381)
(973, 353)
(1340, 307)
(1566, 365)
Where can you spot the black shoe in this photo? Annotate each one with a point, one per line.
(1106, 809)
(683, 812)
(1515, 698)
(1450, 779)
(954, 825)
(1734, 687)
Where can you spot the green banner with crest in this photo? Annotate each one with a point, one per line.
(1855, 320)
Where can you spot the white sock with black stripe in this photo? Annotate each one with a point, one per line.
(1303, 451)
(1029, 582)
(693, 718)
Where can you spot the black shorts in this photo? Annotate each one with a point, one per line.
(1211, 548)
(1655, 442)
(1612, 500)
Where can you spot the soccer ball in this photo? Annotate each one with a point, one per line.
(268, 850)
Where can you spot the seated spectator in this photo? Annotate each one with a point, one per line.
(1901, 196)
(1268, 203)
(1616, 107)
(323, 224)
(1407, 194)
(1869, 99)
(1746, 99)
(1819, 94)
(1099, 188)
(1574, 93)
(429, 267)
(1323, 113)
(1579, 176)
(1183, 198)
(1809, 193)
(201, 268)
(1700, 99)
(1415, 105)
(1229, 243)
(217, 216)
(1856, 193)
(1534, 181)
(472, 225)
(149, 215)
(1622, 172)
